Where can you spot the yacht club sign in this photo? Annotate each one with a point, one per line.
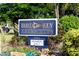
(38, 30)
(37, 27)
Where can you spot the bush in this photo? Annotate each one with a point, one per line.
(5, 53)
(69, 22)
(71, 42)
(27, 50)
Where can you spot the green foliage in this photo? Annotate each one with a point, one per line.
(18, 41)
(25, 50)
(68, 9)
(13, 12)
(22, 41)
(71, 42)
(69, 22)
(5, 53)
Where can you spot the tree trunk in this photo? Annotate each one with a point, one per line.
(57, 10)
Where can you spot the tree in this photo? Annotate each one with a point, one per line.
(57, 10)
(69, 9)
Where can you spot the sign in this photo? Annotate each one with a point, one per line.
(37, 41)
(37, 27)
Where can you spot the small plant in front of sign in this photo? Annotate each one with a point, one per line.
(28, 51)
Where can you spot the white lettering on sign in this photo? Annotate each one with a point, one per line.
(36, 25)
(37, 42)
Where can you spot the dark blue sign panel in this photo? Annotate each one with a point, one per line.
(37, 27)
(37, 41)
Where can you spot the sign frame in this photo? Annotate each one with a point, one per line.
(37, 20)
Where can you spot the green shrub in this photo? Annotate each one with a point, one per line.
(69, 22)
(25, 50)
(5, 53)
(71, 42)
